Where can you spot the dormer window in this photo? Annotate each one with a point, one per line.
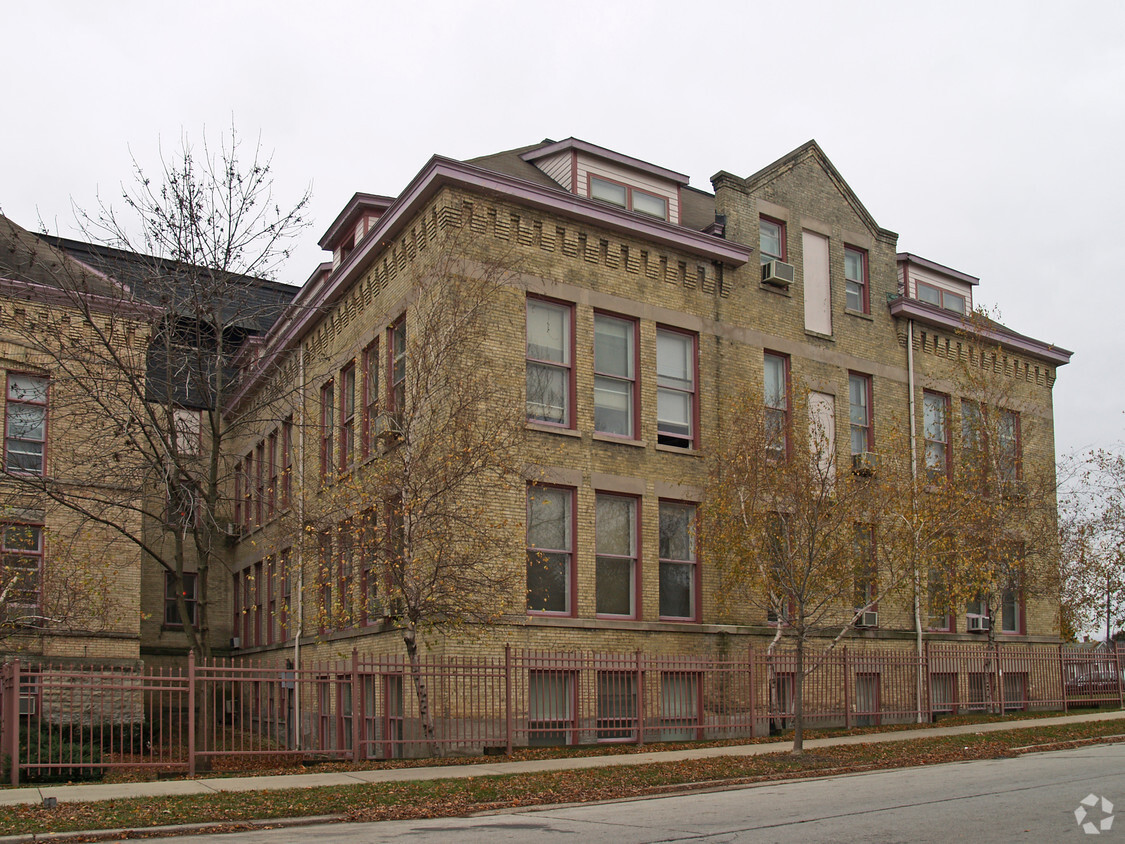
(942, 298)
(630, 198)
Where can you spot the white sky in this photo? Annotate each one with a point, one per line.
(987, 134)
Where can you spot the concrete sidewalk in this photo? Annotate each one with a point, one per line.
(119, 791)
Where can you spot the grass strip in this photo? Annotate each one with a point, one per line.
(444, 798)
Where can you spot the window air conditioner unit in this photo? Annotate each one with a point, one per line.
(386, 426)
(29, 706)
(777, 273)
(865, 463)
(870, 618)
(235, 643)
(978, 624)
(232, 533)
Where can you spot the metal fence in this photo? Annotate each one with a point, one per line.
(58, 721)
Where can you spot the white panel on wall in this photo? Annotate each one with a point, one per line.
(822, 432)
(818, 292)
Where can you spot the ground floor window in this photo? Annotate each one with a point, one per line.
(617, 706)
(679, 706)
(550, 708)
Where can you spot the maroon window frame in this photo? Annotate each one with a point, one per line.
(396, 366)
(22, 546)
(629, 191)
(324, 578)
(286, 591)
(23, 401)
(863, 293)
(238, 482)
(327, 429)
(286, 461)
(191, 598)
(534, 552)
(764, 256)
(248, 490)
(633, 557)
(271, 487)
(259, 595)
(778, 411)
(370, 392)
(236, 593)
(566, 366)
(347, 416)
(369, 568)
(260, 483)
(666, 559)
(271, 600)
(936, 441)
(666, 433)
(868, 424)
(632, 379)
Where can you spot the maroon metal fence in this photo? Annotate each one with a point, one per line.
(59, 721)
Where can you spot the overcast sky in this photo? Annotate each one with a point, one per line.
(988, 135)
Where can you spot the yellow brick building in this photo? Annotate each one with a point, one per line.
(635, 311)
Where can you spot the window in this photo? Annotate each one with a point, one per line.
(396, 360)
(26, 428)
(324, 578)
(777, 404)
(855, 280)
(248, 490)
(615, 380)
(171, 611)
(271, 487)
(866, 571)
(260, 483)
(616, 705)
(817, 282)
(941, 298)
(1008, 440)
(369, 609)
(633, 199)
(239, 480)
(286, 592)
(259, 594)
(859, 397)
(779, 560)
(550, 708)
(977, 608)
(939, 579)
(615, 541)
(935, 428)
(679, 706)
(21, 571)
(272, 618)
(188, 426)
(327, 426)
(286, 460)
(345, 557)
(972, 429)
(370, 393)
(675, 388)
(550, 549)
(771, 240)
(347, 416)
(1011, 610)
(550, 373)
(678, 576)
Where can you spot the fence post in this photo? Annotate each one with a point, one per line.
(999, 681)
(640, 700)
(1117, 664)
(926, 686)
(508, 698)
(753, 688)
(191, 712)
(847, 696)
(12, 719)
(357, 706)
(1062, 679)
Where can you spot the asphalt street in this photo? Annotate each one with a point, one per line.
(1028, 798)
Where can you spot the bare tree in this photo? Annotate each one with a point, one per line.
(427, 542)
(795, 536)
(142, 368)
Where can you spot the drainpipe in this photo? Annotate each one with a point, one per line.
(300, 547)
(914, 485)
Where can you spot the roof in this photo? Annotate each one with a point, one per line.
(253, 303)
(28, 258)
(940, 269)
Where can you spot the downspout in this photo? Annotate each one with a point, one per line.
(920, 680)
(300, 544)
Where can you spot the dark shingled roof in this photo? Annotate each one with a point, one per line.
(26, 257)
(253, 304)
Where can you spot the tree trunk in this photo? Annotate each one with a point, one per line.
(409, 638)
(799, 699)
